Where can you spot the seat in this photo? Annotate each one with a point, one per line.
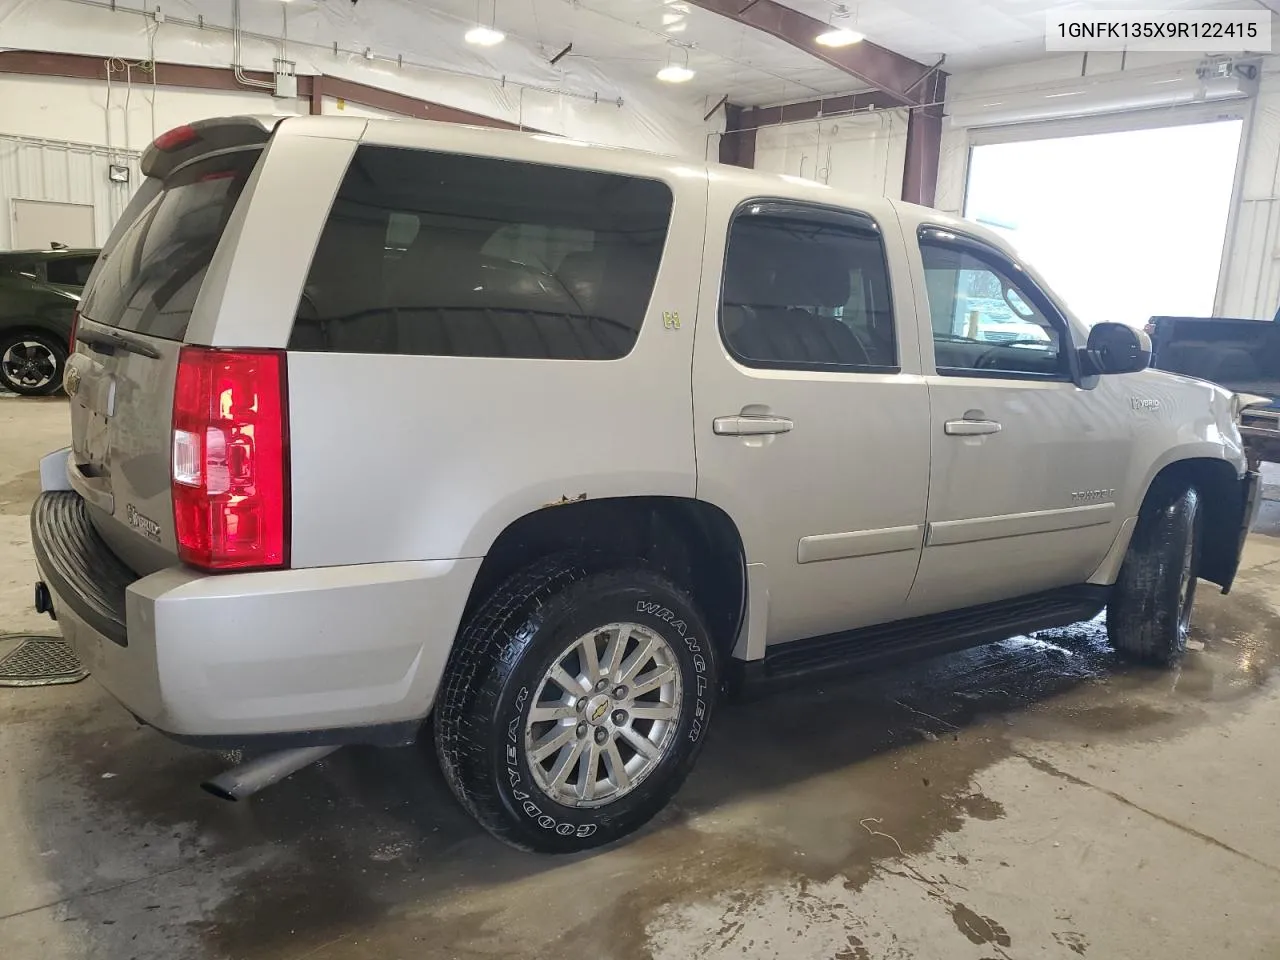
(773, 294)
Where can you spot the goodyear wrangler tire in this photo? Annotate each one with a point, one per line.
(1149, 614)
(575, 703)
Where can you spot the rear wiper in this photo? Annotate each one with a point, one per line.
(109, 342)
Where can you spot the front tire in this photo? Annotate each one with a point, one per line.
(31, 364)
(1149, 615)
(574, 704)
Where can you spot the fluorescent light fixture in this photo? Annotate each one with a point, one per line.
(839, 37)
(484, 36)
(672, 73)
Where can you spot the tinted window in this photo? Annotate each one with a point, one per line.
(805, 293)
(986, 322)
(449, 255)
(153, 267)
(69, 271)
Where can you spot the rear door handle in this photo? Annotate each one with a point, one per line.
(744, 425)
(970, 428)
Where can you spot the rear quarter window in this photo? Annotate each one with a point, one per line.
(452, 255)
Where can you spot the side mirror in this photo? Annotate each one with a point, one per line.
(1116, 348)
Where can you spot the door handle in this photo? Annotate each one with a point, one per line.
(745, 425)
(970, 428)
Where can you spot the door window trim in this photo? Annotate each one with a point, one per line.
(1000, 262)
(855, 221)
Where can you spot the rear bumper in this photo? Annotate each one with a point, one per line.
(328, 654)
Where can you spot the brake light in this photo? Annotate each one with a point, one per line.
(75, 325)
(230, 459)
(176, 139)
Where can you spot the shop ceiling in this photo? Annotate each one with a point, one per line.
(752, 52)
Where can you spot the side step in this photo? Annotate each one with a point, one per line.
(866, 648)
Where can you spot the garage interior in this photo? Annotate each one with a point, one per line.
(1029, 798)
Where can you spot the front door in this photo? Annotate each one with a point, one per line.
(1026, 464)
(811, 418)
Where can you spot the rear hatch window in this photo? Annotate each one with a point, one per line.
(152, 269)
(143, 292)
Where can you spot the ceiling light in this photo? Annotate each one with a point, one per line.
(839, 37)
(484, 36)
(669, 18)
(672, 73)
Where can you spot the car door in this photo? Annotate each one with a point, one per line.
(1026, 457)
(811, 418)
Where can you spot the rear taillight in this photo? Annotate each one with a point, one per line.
(230, 459)
(75, 325)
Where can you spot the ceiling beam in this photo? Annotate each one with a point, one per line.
(896, 76)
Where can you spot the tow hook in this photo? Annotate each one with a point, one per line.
(44, 600)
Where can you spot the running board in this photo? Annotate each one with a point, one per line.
(866, 648)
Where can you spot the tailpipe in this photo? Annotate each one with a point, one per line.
(248, 778)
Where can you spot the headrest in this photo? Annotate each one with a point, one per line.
(582, 273)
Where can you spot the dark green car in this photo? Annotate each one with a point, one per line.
(39, 295)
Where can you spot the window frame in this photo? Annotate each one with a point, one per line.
(853, 220)
(999, 262)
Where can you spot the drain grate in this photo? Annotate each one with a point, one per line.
(40, 661)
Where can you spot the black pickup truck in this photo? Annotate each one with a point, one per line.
(1241, 355)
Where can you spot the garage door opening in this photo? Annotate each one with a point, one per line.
(1123, 225)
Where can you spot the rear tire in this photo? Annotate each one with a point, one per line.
(1149, 614)
(598, 759)
(31, 364)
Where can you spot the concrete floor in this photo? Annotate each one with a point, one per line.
(1027, 799)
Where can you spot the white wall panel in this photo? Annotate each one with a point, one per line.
(33, 169)
(1250, 285)
(862, 153)
(577, 98)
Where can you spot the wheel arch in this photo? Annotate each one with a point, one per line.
(1223, 501)
(27, 328)
(691, 541)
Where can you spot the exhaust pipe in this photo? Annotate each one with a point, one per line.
(248, 778)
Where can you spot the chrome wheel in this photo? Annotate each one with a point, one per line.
(604, 715)
(29, 364)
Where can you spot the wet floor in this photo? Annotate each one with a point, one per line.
(1031, 798)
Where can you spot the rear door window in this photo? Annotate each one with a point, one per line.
(153, 268)
(450, 255)
(807, 290)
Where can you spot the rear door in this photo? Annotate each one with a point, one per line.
(134, 318)
(810, 417)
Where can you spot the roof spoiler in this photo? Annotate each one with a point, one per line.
(177, 147)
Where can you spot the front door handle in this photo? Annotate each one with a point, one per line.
(745, 425)
(970, 428)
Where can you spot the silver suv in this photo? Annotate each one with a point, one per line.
(378, 421)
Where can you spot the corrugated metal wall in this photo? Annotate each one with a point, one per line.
(1250, 286)
(32, 169)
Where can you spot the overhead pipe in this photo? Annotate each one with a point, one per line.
(235, 52)
(244, 781)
